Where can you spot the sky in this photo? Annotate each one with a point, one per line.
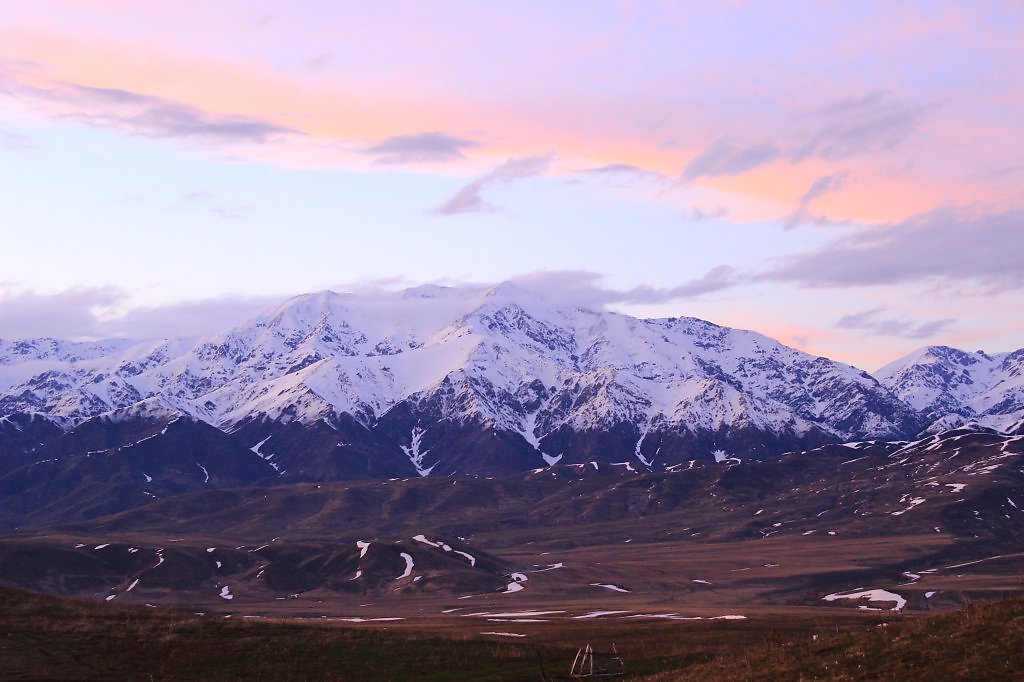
(846, 177)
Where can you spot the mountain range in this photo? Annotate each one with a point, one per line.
(405, 451)
(483, 381)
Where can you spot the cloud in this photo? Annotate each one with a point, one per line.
(96, 313)
(470, 199)
(212, 203)
(319, 62)
(618, 169)
(821, 186)
(432, 147)
(90, 313)
(699, 214)
(585, 288)
(725, 157)
(949, 244)
(875, 122)
(68, 314)
(143, 115)
(14, 142)
(857, 125)
(869, 320)
(188, 318)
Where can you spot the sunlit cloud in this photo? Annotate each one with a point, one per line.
(138, 114)
(853, 126)
(470, 198)
(875, 122)
(434, 147)
(728, 157)
(820, 187)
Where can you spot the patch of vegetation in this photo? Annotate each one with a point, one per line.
(978, 642)
(44, 637)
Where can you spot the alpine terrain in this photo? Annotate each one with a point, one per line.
(489, 381)
(478, 455)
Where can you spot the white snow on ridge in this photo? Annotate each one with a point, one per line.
(326, 353)
(959, 388)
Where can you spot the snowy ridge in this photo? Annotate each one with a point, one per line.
(496, 358)
(953, 388)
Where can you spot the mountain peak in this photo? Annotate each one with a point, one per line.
(541, 377)
(952, 387)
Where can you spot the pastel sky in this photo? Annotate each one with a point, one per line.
(847, 177)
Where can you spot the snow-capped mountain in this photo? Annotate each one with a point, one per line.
(951, 387)
(469, 380)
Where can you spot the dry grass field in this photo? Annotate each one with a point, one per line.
(44, 637)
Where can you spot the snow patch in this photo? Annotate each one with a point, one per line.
(510, 614)
(723, 456)
(549, 460)
(415, 455)
(636, 450)
(408, 566)
(913, 503)
(607, 586)
(517, 583)
(871, 596)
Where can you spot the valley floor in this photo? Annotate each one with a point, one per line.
(43, 637)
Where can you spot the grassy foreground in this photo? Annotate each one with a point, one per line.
(44, 637)
(978, 642)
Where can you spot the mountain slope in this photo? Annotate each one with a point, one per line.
(951, 387)
(437, 374)
(123, 460)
